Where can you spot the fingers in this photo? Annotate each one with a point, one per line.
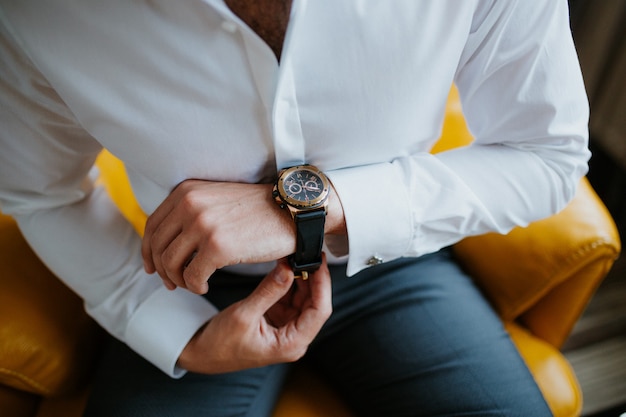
(175, 259)
(269, 291)
(167, 250)
(297, 324)
(241, 336)
(200, 266)
(197, 286)
(319, 308)
(152, 225)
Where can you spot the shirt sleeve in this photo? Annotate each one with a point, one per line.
(524, 101)
(47, 184)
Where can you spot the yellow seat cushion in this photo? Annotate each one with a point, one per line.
(37, 313)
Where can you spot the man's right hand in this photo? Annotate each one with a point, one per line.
(274, 324)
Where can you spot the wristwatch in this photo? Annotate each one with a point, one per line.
(303, 190)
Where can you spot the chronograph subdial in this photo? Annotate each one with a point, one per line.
(302, 186)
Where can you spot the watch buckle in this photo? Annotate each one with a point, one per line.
(301, 274)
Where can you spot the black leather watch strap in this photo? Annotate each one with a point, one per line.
(309, 240)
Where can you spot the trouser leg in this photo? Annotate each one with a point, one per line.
(409, 338)
(126, 385)
(416, 338)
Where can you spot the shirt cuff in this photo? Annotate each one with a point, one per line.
(378, 216)
(163, 325)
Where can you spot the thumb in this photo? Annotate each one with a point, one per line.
(270, 290)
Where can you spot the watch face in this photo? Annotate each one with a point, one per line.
(303, 186)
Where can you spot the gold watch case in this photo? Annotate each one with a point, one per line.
(301, 187)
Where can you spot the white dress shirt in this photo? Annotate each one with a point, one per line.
(185, 89)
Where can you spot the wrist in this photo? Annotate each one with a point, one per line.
(186, 359)
(335, 220)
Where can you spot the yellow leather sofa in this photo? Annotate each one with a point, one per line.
(539, 279)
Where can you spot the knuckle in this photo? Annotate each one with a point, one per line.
(239, 319)
(167, 258)
(154, 239)
(202, 221)
(172, 273)
(184, 186)
(194, 288)
(191, 197)
(192, 280)
(148, 229)
(188, 202)
(217, 250)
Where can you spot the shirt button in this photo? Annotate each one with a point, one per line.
(229, 26)
(374, 260)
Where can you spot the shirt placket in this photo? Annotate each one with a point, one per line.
(275, 83)
(289, 145)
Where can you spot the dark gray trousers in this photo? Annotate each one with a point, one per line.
(412, 337)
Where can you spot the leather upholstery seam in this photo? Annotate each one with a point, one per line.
(603, 246)
(25, 379)
(603, 243)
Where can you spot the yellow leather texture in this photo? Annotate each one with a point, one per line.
(47, 341)
(518, 270)
(551, 371)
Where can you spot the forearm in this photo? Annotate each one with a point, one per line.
(525, 103)
(92, 248)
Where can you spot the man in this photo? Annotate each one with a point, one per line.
(207, 102)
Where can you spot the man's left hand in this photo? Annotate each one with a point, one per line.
(203, 226)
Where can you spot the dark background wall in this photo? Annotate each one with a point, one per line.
(599, 29)
(597, 347)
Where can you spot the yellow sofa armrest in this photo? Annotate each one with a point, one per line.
(545, 274)
(47, 342)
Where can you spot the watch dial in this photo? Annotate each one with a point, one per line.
(303, 185)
